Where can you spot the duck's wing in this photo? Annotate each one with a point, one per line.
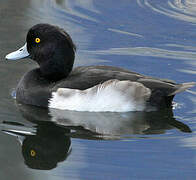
(88, 76)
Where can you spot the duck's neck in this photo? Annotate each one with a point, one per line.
(57, 66)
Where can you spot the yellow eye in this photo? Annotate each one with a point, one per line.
(37, 40)
(33, 153)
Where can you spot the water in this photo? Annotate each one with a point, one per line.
(153, 37)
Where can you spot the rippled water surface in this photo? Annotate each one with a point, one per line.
(152, 37)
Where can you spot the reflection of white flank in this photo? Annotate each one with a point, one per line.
(103, 123)
(179, 9)
(124, 32)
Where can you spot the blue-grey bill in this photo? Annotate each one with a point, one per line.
(19, 54)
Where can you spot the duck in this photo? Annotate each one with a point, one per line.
(56, 84)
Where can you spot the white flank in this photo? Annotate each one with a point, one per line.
(111, 96)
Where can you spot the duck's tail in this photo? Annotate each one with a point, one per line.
(182, 87)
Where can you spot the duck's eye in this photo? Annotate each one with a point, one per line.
(33, 153)
(37, 40)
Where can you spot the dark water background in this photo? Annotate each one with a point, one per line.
(153, 37)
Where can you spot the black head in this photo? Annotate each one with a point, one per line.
(51, 47)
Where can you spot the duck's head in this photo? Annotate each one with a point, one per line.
(51, 47)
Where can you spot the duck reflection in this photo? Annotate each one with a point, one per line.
(112, 125)
(106, 124)
(44, 145)
(48, 141)
(48, 147)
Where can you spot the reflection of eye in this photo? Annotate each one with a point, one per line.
(33, 153)
(37, 40)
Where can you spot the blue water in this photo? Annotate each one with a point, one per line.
(152, 37)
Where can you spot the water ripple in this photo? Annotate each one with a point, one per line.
(184, 10)
(125, 32)
(147, 51)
